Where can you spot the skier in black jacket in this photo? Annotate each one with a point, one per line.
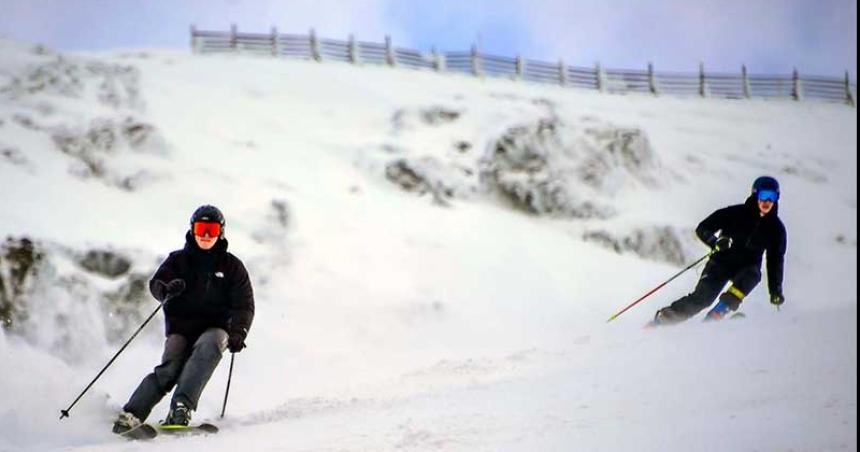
(739, 235)
(208, 306)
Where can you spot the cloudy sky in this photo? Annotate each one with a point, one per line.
(771, 36)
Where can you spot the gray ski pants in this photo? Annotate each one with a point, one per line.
(184, 365)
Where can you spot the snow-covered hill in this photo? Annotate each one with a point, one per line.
(434, 257)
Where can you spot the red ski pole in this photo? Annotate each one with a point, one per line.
(660, 286)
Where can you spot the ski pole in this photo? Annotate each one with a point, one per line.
(660, 286)
(227, 392)
(65, 413)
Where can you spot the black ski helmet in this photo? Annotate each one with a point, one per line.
(208, 214)
(765, 183)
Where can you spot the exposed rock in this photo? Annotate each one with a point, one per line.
(105, 263)
(393, 149)
(432, 116)
(88, 146)
(100, 137)
(92, 147)
(403, 174)
(281, 212)
(528, 167)
(659, 243)
(123, 306)
(616, 148)
(548, 197)
(463, 146)
(547, 167)
(20, 260)
(57, 76)
(422, 176)
(13, 156)
(115, 85)
(842, 240)
(136, 133)
(276, 224)
(25, 121)
(118, 86)
(551, 168)
(134, 181)
(439, 115)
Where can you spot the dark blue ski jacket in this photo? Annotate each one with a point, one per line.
(752, 235)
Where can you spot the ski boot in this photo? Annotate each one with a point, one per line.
(729, 302)
(125, 422)
(719, 312)
(666, 316)
(180, 414)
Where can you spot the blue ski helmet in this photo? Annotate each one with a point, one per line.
(766, 188)
(209, 214)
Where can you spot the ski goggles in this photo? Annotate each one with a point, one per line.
(201, 228)
(768, 195)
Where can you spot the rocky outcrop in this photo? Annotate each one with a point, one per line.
(20, 260)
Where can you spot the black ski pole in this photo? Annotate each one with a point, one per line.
(65, 413)
(227, 392)
(660, 286)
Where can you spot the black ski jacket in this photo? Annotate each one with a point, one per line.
(752, 235)
(218, 291)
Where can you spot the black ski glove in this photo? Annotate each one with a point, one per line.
(236, 341)
(174, 288)
(722, 243)
(777, 299)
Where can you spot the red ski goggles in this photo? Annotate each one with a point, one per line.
(201, 228)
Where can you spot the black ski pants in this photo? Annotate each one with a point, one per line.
(711, 283)
(184, 365)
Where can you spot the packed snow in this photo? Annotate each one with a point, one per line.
(434, 257)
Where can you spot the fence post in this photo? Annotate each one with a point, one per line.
(795, 85)
(703, 91)
(276, 42)
(562, 73)
(438, 60)
(849, 98)
(476, 61)
(652, 79)
(315, 46)
(599, 77)
(195, 48)
(234, 40)
(520, 68)
(745, 81)
(353, 50)
(389, 51)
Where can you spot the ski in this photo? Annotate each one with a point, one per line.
(203, 428)
(141, 432)
(654, 323)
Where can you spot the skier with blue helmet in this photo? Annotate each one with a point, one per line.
(739, 235)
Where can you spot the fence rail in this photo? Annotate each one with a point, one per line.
(620, 81)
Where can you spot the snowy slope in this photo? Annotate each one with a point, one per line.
(469, 317)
